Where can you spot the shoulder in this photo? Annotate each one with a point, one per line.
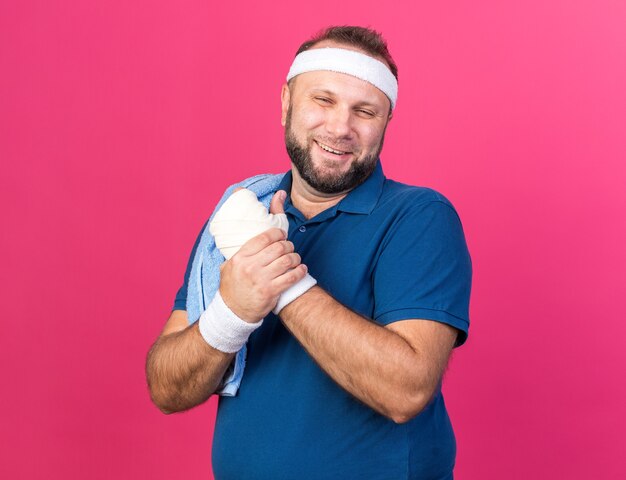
(263, 185)
(401, 198)
(262, 179)
(260, 184)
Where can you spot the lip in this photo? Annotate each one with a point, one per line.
(333, 156)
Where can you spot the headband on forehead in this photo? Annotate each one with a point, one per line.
(349, 62)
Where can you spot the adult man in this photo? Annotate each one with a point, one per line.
(345, 381)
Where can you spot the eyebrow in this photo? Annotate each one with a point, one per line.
(323, 90)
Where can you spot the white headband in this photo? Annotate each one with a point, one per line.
(350, 62)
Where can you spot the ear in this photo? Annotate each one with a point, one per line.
(285, 95)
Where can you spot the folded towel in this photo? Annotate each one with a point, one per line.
(204, 277)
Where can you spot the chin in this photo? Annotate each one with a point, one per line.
(327, 175)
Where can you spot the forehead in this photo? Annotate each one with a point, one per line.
(347, 86)
(340, 85)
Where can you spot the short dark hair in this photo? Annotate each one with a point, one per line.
(366, 39)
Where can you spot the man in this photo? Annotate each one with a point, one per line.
(345, 381)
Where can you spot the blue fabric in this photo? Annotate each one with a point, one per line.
(389, 252)
(202, 278)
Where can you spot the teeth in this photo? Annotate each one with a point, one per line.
(328, 149)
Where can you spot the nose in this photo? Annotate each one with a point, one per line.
(338, 122)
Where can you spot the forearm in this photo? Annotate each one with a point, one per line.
(372, 363)
(183, 370)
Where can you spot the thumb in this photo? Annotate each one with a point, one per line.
(278, 202)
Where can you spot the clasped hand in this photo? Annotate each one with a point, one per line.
(263, 268)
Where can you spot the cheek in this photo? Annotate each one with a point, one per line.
(313, 117)
(372, 136)
(307, 120)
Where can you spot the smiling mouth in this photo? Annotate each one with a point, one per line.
(330, 150)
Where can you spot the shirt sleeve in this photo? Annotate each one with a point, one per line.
(180, 301)
(424, 270)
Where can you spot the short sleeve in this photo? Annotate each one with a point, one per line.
(180, 301)
(424, 270)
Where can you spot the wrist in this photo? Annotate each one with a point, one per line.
(293, 292)
(222, 328)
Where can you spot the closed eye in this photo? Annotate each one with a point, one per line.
(366, 113)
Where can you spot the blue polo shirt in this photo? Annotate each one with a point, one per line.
(389, 252)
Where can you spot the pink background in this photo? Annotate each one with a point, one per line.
(122, 122)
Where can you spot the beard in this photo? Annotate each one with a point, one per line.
(328, 183)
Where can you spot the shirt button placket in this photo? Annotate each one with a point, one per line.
(302, 228)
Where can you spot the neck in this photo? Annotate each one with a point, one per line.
(309, 201)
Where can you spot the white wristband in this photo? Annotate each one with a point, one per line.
(294, 292)
(222, 329)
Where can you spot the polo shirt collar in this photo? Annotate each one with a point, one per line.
(364, 198)
(361, 200)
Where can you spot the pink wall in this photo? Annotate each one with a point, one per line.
(121, 122)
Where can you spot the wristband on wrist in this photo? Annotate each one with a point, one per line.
(222, 329)
(294, 292)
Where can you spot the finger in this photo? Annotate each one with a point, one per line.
(237, 189)
(283, 264)
(261, 241)
(277, 205)
(274, 251)
(289, 278)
